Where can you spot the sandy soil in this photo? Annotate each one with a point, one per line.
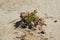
(11, 9)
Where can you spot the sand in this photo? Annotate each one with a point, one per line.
(11, 9)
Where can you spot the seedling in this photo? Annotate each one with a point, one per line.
(29, 20)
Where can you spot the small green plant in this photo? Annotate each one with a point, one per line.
(28, 20)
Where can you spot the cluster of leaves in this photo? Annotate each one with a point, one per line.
(31, 17)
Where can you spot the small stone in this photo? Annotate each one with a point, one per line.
(55, 21)
(42, 32)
